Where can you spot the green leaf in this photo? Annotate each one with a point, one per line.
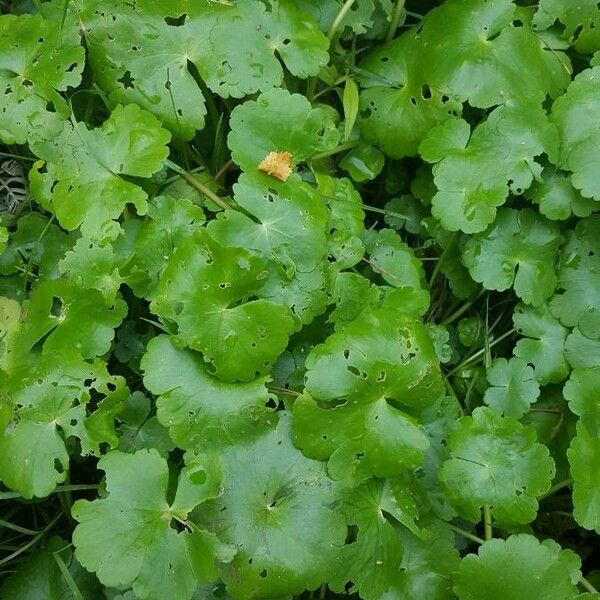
(239, 338)
(372, 560)
(574, 114)
(582, 351)
(127, 537)
(394, 260)
(147, 246)
(351, 293)
(36, 243)
(350, 105)
(428, 565)
(474, 177)
(361, 381)
(359, 19)
(92, 266)
(363, 163)
(346, 220)
(151, 54)
(83, 184)
(519, 249)
(39, 576)
(439, 420)
(3, 238)
(58, 317)
(276, 508)
(519, 567)
(199, 410)
(580, 21)
(513, 387)
(543, 345)
(49, 398)
(496, 461)
(557, 198)
(576, 302)
(584, 459)
(139, 430)
(412, 214)
(581, 392)
(278, 121)
(397, 105)
(285, 223)
(477, 53)
(38, 61)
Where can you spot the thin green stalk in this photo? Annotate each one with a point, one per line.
(458, 313)
(340, 148)
(75, 591)
(198, 185)
(487, 522)
(323, 591)
(32, 542)
(556, 487)
(17, 528)
(466, 534)
(339, 18)
(396, 15)
(57, 490)
(17, 156)
(478, 354)
(586, 585)
(436, 270)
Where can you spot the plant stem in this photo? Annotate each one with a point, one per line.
(586, 585)
(487, 522)
(339, 18)
(57, 490)
(478, 354)
(466, 534)
(17, 156)
(198, 185)
(33, 541)
(340, 148)
(280, 390)
(436, 270)
(17, 528)
(556, 487)
(458, 313)
(223, 170)
(398, 9)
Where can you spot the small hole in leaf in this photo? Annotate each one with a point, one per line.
(287, 42)
(425, 92)
(58, 466)
(50, 107)
(73, 422)
(263, 573)
(56, 309)
(384, 59)
(517, 23)
(353, 370)
(126, 80)
(176, 21)
(413, 101)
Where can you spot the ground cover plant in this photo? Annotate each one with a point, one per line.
(299, 299)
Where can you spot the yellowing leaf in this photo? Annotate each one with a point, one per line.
(277, 164)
